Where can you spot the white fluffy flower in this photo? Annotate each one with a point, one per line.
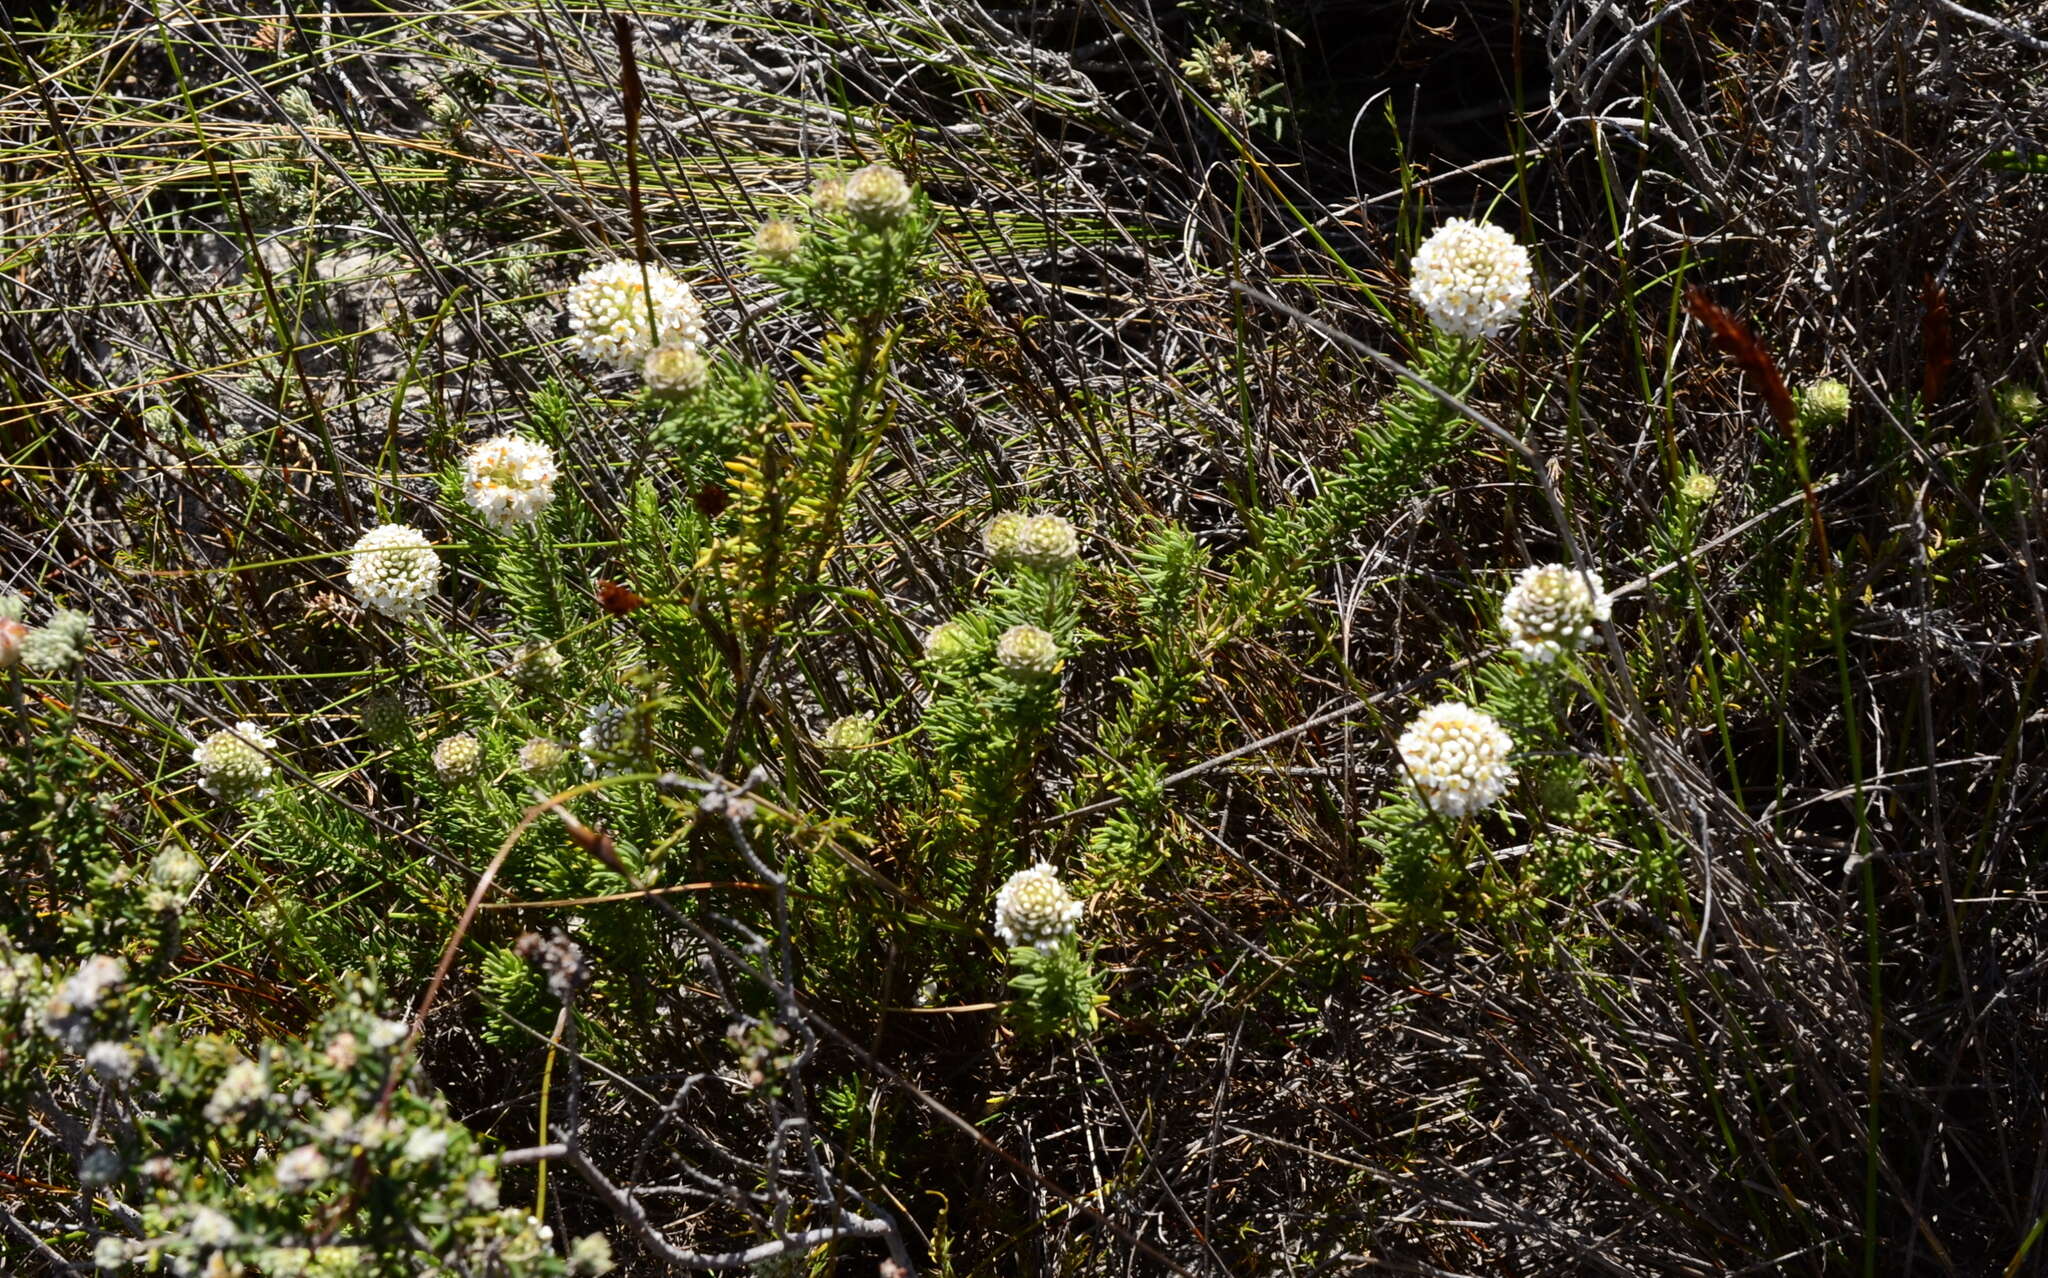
(1551, 611)
(112, 1061)
(508, 480)
(385, 1034)
(300, 1168)
(1028, 652)
(245, 1086)
(426, 1144)
(1001, 536)
(210, 1227)
(1457, 757)
(611, 319)
(1035, 909)
(1471, 278)
(392, 568)
(234, 763)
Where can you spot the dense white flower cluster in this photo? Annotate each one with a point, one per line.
(877, 196)
(210, 1227)
(1028, 652)
(385, 1034)
(59, 643)
(113, 1062)
(1825, 403)
(300, 1168)
(508, 480)
(392, 568)
(619, 311)
(234, 763)
(458, 759)
(1457, 757)
(1035, 909)
(1551, 610)
(67, 1017)
(1471, 278)
(606, 732)
(1047, 543)
(245, 1086)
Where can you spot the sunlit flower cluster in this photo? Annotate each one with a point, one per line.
(1457, 757)
(607, 732)
(1470, 278)
(620, 311)
(458, 759)
(509, 480)
(1028, 652)
(877, 196)
(1034, 908)
(393, 569)
(1552, 610)
(234, 763)
(849, 732)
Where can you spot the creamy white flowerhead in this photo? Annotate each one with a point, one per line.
(1034, 908)
(621, 310)
(1028, 652)
(1457, 757)
(877, 196)
(608, 731)
(1001, 536)
(1046, 543)
(458, 758)
(509, 481)
(234, 763)
(393, 568)
(1471, 278)
(1551, 610)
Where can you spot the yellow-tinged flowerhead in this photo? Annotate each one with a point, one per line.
(2019, 403)
(1458, 758)
(1002, 536)
(1552, 610)
(877, 196)
(393, 568)
(778, 240)
(949, 643)
(458, 758)
(1699, 487)
(675, 372)
(1825, 403)
(1470, 278)
(234, 763)
(1034, 908)
(1046, 543)
(509, 481)
(619, 311)
(849, 732)
(1028, 652)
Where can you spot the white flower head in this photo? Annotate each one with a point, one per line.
(949, 642)
(210, 1227)
(1047, 543)
(509, 481)
(300, 1168)
(113, 1062)
(426, 1144)
(392, 568)
(1551, 610)
(1471, 278)
(1001, 536)
(1028, 652)
(234, 763)
(674, 372)
(540, 756)
(458, 759)
(619, 311)
(245, 1086)
(1034, 908)
(385, 1034)
(849, 732)
(877, 196)
(1457, 757)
